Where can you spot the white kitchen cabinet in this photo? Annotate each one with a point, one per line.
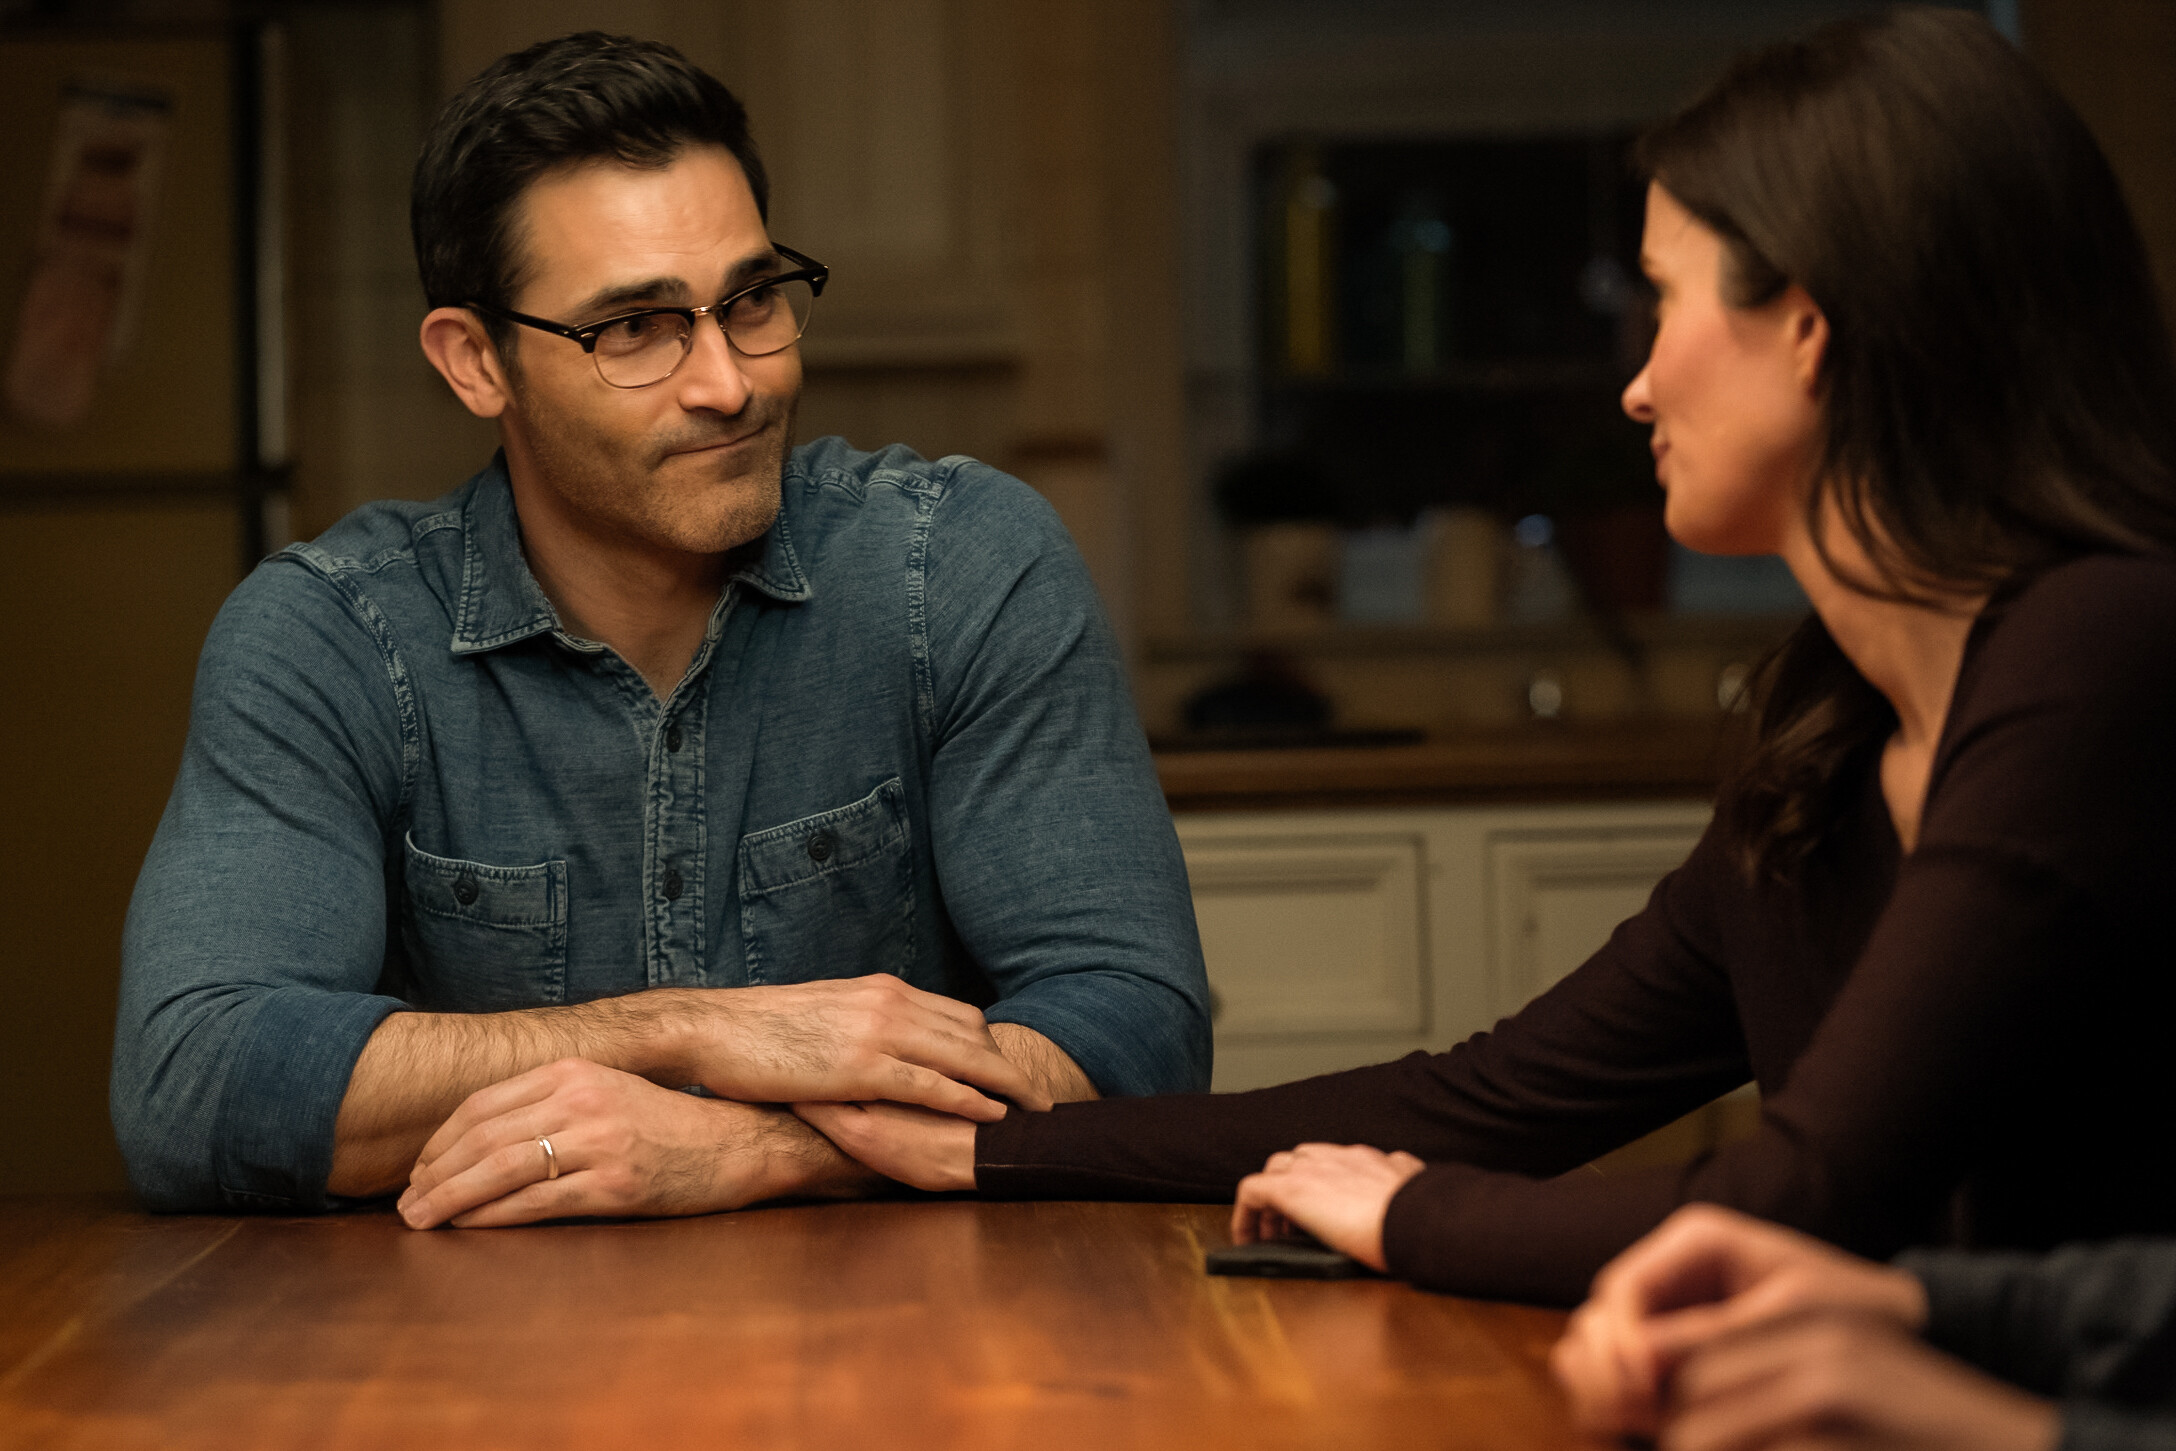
(1342, 937)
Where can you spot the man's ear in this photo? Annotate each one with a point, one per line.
(454, 340)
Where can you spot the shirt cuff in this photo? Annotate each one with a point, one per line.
(1130, 1036)
(273, 1148)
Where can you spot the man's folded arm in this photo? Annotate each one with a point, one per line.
(256, 1061)
(256, 936)
(1054, 848)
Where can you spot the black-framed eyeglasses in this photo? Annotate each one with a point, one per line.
(636, 349)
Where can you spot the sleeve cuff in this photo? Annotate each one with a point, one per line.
(1129, 1036)
(273, 1148)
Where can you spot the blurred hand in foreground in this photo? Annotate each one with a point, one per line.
(1704, 1273)
(1843, 1379)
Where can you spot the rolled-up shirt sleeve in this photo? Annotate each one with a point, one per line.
(256, 937)
(1055, 852)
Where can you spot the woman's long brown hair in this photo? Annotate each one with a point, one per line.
(1998, 388)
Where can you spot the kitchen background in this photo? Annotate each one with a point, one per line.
(1309, 319)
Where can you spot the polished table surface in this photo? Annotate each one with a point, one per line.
(925, 1324)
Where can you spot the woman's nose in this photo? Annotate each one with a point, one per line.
(1638, 401)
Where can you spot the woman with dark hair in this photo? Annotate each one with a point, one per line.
(1909, 342)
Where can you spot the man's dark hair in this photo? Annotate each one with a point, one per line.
(1999, 387)
(583, 97)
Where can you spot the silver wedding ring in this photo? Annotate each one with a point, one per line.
(551, 1160)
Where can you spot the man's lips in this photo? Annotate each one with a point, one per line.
(712, 445)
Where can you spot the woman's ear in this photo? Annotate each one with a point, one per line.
(1806, 330)
(454, 340)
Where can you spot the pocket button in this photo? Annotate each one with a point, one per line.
(819, 848)
(465, 889)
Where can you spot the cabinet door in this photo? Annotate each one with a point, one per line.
(1556, 895)
(1341, 938)
(1316, 934)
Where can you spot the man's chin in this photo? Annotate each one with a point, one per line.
(717, 514)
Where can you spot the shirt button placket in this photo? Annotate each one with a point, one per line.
(676, 904)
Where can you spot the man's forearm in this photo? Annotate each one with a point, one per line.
(418, 1067)
(1052, 1068)
(803, 1164)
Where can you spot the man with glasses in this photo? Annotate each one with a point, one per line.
(659, 756)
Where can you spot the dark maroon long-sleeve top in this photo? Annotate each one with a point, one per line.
(1970, 1043)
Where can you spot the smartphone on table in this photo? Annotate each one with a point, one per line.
(1301, 1257)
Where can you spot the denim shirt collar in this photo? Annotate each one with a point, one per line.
(501, 603)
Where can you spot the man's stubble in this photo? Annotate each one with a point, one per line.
(650, 492)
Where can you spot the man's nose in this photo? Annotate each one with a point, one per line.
(712, 375)
(1638, 400)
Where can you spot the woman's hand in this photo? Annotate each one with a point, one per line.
(917, 1146)
(1337, 1193)
(1844, 1379)
(1704, 1273)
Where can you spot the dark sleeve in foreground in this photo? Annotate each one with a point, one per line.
(2092, 1426)
(2095, 1321)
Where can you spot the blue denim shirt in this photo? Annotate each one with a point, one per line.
(904, 746)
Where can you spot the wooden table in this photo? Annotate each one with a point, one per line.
(895, 1325)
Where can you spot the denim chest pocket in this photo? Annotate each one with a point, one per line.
(830, 895)
(483, 939)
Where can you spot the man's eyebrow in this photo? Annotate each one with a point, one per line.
(671, 291)
(621, 296)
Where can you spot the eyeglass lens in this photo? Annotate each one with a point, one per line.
(646, 349)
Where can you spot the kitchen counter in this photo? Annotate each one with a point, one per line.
(1628, 760)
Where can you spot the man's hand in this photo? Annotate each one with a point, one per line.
(1705, 1272)
(934, 1151)
(624, 1146)
(862, 1038)
(1836, 1379)
(1337, 1193)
